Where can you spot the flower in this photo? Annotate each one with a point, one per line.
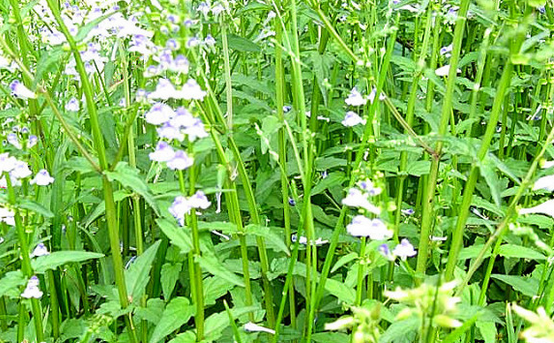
(369, 187)
(20, 170)
(355, 98)
(32, 141)
(445, 70)
(167, 130)
(385, 251)
(179, 208)
(180, 161)
(7, 216)
(352, 119)
(544, 208)
(365, 227)
(304, 241)
(72, 105)
(356, 198)
(159, 114)
(165, 90)
(199, 200)
(42, 178)
(13, 140)
(404, 249)
(32, 290)
(196, 130)
(19, 90)
(446, 50)
(407, 212)
(546, 183)
(252, 327)
(192, 91)
(163, 153)
(7, 162)
(40, 250)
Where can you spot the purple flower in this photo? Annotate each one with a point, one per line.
(180, 161)
(163, 153)
(42, 178)
(159, 114)
(20, 91)
(170, 132)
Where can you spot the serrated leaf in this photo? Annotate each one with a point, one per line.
(138, 274)
(177, 235)
(341, 291)
(176, 313)
(265, 232)
(518, 251)
(129, 177)
(59, 258)
(527, 286)
(169, 276)
(11, 282)
(215, 267)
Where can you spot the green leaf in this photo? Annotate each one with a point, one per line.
(215, 267)
(527, 286)
(129, 177)
(518, 251)
(418, 168)
(36, 207)
(10, 283)
(177, 313)
(344, 260)
(242, 44)
(488, 172)
(59, 258)
(341, 291)
(333, 179)
(330, 337)
(265, 232)
(400, 331)
(169, 276)
(472, 252)
(138, 274)
(177, 235)
(487, 330)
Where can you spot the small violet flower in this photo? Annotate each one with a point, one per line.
(159, 114)
(163, 153)
(19, 90)
(352, 119)
(180, 161)
(372, 228)
(404, 250)
(72, 105)
(42, 178)
(32, 290)
(40, 250)
(355, 98)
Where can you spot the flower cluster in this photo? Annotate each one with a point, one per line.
(18, 170)
(375, 228)
(182, 206)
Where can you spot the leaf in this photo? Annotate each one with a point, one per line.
(36, 207)
(138, 274)
(341, 291)
(518, 251)
(215, 267)
(418, 168)
(269, 235)
(169, 276)
(129, 177)
(59, 258)
(217, 322)
(400, 330)
(11, 282)
(527, 286)
(472, 252)
(333, 179)
(488, 172)
(330, 337)
(177, 313)
(152, 312)
(487, 330)
(177, 235)
(242, 44)
(344, 260)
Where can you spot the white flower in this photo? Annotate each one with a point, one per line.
(196, 130)
(32, 290)
(20, 170)
(159, 114)
(72, 105)
(304, 241)
(446, 50)
(7, 216)
(19, 90)
(546, 183)
(42, 178)
(357, 198)
(180, 161)
(170, 132)
(544, 208)
(192, 91)
(7, 162)
(165, 90)
(13, 140)
(40, 250)
(372, 228)
(368, 186)
(444, 70)
(252, 327)
(163, 153)
(355, 98)
(404, 249)
(199, 200)
(352, 119)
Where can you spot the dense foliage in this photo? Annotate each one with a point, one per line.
(277, 171)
